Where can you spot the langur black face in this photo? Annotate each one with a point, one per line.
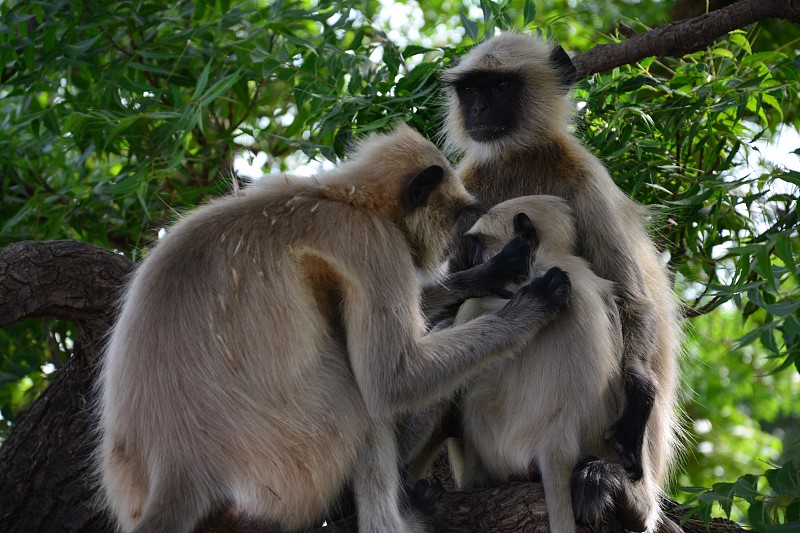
(489, 102)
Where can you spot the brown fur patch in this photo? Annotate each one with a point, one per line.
(119, 450)
(361, 197)
(326, 286)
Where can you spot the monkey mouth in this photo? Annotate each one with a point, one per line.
(487, 132)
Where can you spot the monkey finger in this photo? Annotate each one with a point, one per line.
(629, 461)
(626, 446)
(503, 293)
(554, 282)
(632, 465)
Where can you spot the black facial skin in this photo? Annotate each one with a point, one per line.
(489, 103)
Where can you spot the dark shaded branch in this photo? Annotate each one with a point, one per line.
(67, 280)
(44, 464)
(677, 39)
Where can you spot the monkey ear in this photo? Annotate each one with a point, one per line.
(567, 73)
(524, 228)
(421, 186)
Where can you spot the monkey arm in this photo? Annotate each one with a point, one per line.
(615, 253)
(398, 368)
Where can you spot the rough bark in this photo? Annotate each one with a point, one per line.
(684, 37)
(43, 464)
(45, 483)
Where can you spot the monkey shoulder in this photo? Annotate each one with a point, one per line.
(589, 292)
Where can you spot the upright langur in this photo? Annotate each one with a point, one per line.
(265, 345)
(509, 112)
(544, 410)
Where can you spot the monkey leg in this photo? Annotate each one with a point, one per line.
(628, 430)
(555, 468)
(600, 487)
(421, 435)
(379, 489)
(175, 504)
(473, 471)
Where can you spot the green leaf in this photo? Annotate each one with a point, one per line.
(783, 309)
(199, 9)
(755, 514)
(784, 480)
(220, 87)
(528, 12)
(723, 52)
(769, 342)
(412, 50)
(202, 80)
(81, 47)
(470, 27)
(17, 218)
(51, 122)
(765, 265)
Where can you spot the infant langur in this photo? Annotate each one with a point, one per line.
(265, 345)
(547, 409)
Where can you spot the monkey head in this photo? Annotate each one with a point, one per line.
(406, 179)
(508, 93)
(543, 218)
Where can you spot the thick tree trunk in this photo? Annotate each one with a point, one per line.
(44, 463)
(45, 480)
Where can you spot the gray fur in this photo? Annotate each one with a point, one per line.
(266, 344)
(544, 409)
(542, 157)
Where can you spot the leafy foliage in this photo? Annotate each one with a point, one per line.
(116, 115)
(675, 133)
(743, 417)
(775, 510)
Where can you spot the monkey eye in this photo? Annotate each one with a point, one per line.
(467, 90)
(502, 86)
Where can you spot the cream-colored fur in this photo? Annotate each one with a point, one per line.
(541, 411)
(542, 157)
(265, 345)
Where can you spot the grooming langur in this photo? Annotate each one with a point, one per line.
(265, 345)
(544, 410)
(509, 112)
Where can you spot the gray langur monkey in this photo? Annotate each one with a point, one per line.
(508, 111)
(265, 345)
(543, 411)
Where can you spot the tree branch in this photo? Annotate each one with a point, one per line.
(45, 475)
(677, 39)
(67, 280)
(44, 464)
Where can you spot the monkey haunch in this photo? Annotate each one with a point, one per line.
(265, 345)
(508, 111)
